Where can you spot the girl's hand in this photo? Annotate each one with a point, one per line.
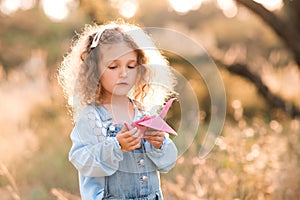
(155, 137)
(129, 140)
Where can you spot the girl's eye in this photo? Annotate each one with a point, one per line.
(112, 67)
(131, 66)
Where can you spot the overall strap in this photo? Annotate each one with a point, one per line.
(106, 194)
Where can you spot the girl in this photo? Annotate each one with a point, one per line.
(110, 77)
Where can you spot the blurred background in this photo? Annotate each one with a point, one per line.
(256, 46)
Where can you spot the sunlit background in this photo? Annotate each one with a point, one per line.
(255, 157)
(59, 9)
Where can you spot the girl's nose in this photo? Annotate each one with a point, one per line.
(123, 72)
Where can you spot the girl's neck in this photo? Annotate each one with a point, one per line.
(120, 108)
(115, 100)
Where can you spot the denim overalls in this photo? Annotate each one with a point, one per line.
(105, 171)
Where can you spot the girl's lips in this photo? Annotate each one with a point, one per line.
(122, 83)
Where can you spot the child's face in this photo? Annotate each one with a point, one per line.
(118, 69)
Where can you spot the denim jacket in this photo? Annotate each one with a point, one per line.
(105, 171)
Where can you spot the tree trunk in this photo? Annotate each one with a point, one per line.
(285, 30)
(273, 100)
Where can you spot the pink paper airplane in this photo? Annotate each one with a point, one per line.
(155, 122)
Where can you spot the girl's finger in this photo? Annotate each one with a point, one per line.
(127, 134)
(132, 131)
(135, 144)
(156, 135)
(137, 133)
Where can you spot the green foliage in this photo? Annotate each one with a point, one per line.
(22, 33)
(36, 193)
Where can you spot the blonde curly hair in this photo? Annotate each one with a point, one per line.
(79, 75)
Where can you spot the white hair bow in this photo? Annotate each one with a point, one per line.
(96, 38)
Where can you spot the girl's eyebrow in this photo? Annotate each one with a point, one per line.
(132, 60)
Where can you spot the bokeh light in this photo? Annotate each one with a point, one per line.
(185, 6)
(127, 8)
(57, 9)
(8, 7)
(271, 4)
(228, 7)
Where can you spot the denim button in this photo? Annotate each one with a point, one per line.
(112, 128)
(142, 162)
(144, 178)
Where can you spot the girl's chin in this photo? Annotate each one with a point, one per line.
(120, 92)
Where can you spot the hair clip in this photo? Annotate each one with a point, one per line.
(96, 39)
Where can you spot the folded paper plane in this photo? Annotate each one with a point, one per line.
(155, 122)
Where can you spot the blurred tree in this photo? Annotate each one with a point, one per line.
(26, 30)
(288, 30)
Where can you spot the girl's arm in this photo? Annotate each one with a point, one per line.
(92, 153)
(165, 157)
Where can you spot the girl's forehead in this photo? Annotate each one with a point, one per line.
(110, 52)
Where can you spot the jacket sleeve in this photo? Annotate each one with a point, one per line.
(165, 157)
(92, 153)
